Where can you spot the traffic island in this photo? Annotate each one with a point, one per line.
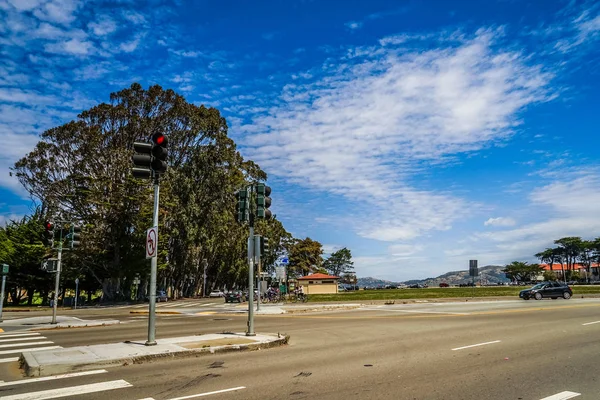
(82, 358)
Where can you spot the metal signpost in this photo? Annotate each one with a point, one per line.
(151, 252)
(76, 292)
(257, 261)
(4, 273)
(136, 282)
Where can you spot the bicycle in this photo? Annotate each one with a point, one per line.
(300, 297)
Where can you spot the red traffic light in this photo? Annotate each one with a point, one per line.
(160, 140)
(49, 226)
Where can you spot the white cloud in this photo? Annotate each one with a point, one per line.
(365, 128)
(128, 47)
(353, 25)
(25, 5)
(58, 11)
(103, 26)
(71, 47)
(585, 28)
(500, 221)
(134, 17)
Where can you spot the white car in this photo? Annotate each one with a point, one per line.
(216, 293)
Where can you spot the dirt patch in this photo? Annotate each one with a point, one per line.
(217, 342)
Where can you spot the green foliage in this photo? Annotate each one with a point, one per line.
(305, 256)
(339, 263)
(549, 276)
(522, 271)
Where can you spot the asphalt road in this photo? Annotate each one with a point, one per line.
(470, 350)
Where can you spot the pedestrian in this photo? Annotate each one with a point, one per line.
(51, 303)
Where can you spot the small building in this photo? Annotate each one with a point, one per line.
(319, 284)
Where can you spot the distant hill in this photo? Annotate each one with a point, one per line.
(373, 282)
(489, 274)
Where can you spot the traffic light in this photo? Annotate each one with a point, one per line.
(150, 157)
(49, 226)
(264, 245)
(75, 236)
(142, 160)
(242, 205)
(159, 153)
(263, 201)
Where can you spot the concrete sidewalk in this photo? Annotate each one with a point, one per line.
(44, 322)
(51, 362)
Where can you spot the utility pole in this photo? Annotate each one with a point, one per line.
(153, 270)
(204, 264)
(4, 273)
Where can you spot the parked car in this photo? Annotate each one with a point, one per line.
(553, 290)
(161, 295)
(444, 284)
(216, 293)
(417, 286)
(235, 296)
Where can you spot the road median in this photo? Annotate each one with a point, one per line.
(82, 358)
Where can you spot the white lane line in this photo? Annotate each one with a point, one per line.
(207, 304)
(562, 396)
(209, 393)
(10, 359)
(10, 334)
(591, 323)
(415, 311)
(29, 350)
(22, 339)
(475, 345)
(172, 305)
(147, 398)
(3, 346)
(190, 304)
(70, 391)
(52, 378)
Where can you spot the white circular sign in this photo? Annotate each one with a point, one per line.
(151, 243)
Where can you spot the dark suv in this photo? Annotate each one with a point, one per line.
(554, 290)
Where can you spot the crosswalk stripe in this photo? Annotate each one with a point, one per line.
(3, 346)
(171, 305)
(5, 335)
(10, 359)
(189, 305)
(70, 391)
(22, 339)
(52, 378)
(29, 350)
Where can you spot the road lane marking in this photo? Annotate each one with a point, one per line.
(591, 323)
(413, 311)
(475, 345)
(29, 350)
(3, 346)
(171, 305)
(206, 313)
(19, 334)
(52, 378)
(562, 396)
(207, 304)
(209, 393)
(10, 359)
(22, 339)
(189, 305)
(70, 391)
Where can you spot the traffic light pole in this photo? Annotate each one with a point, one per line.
(250, 331)
(57, 282)
(153, 268)
(257, 261)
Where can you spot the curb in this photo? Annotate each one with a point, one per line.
(32, 368)
(91, 325)
(155, 312)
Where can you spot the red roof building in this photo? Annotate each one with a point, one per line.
(318, 276)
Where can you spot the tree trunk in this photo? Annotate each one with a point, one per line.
(30, 293)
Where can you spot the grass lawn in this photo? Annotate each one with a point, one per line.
(437, 293)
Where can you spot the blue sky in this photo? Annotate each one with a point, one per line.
(419, 134)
